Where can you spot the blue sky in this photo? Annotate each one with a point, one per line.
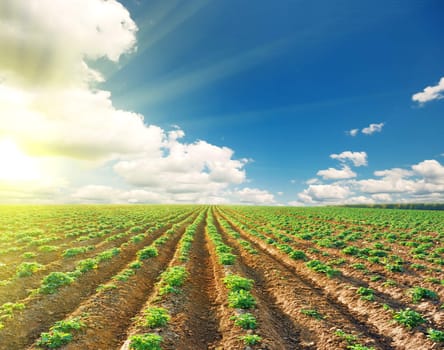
(241, 102)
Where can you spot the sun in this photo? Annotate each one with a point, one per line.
(16, 165)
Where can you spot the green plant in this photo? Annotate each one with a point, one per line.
(419, 293)
(319, 266)
(245, 321)
(235, 282)
(54, 339)
(104, 287)
(60, 334)
(408, 318)
(29, 255)
(298, 255)
(251, 339)
(241, 299)
(172, 278)
(148, 252)
(435, 335)
(26, 269)
(227, 258)
(312, 313)
(54, 281)
(348, 337)
(156, 317)
(366, 293)
(147, 341)
(359, 347)
(87, 265)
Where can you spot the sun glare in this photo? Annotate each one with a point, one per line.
(16, 165)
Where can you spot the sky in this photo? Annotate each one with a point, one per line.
(204, 101)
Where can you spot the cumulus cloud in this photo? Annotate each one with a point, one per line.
(422, 182)
(324, 193)
(369, 130)
(430, 93)
(51, 104)
(332, 173)
(195, 167)
(254, 196)
(353, 132)
(372, 128)
(357, 158)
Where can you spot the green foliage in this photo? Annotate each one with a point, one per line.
(241, 299)
(366, 293)
(251, 339)
(54, 339)
(312, 313)
(26, 269)
(108, 254)
(60, 334)
(298, 255)
(147, 341)
(171, 279)
(135, 265)
(124, 275)
(48, 248)
(104, 287)
(54, 281)
(435, 335)
(348, 337)
(408, 318)
(70, 252)
(29, 255)
(419, 293)
(148, 252)
(319, 266)
(235, 282)
(87, 265)
(227, 258)
(156, 317)
(7, 309)
(245, 321)
(359, 347)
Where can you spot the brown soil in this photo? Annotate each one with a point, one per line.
(196, 325)
(370, 318)
(42, 311)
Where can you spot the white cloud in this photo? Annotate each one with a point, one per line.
(382, 197)
(324, 193)
(186, 167)
(332, 173)
(422, 182)
(357, 158)
(431, 170)
(254, 196)
(430, 93)
(372, 128)
(353, 132)
(50, 104)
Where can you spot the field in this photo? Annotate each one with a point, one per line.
(220, 277)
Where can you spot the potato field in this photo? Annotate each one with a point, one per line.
(220, 277)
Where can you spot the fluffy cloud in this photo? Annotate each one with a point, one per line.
(423, 182)
(324, 193)
(353, 132)
(431, 170)
(357, 158)
(332, 173)
(372, 128)
(196, 167)
(430, 93)
(51, 104)
(48, 101)
(369, 130)
(254, 196)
